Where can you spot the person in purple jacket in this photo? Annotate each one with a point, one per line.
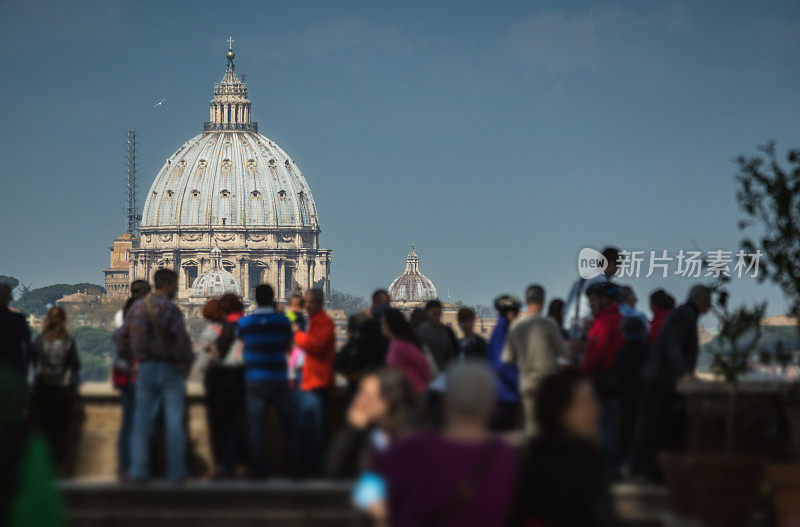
(463, 476)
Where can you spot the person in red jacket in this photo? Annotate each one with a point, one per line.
(319, 344)
(605, 335)
(605, 338)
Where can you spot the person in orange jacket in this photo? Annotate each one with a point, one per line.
(319, 344)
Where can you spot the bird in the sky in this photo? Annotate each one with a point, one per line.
(160, 103)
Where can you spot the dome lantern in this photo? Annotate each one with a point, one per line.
(230, 107)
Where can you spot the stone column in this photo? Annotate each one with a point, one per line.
(245, 281)
(279, 289)
(182, 280)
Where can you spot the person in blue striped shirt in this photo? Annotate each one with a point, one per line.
(267, 338)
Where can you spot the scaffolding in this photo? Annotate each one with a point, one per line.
(131, 208)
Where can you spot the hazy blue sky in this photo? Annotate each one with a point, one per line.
(499, 137)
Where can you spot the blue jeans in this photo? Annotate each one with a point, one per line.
(127, 398)
(308, 441)
(159, 383)
(259, 396)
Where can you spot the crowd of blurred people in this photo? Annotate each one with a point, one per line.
(529, 427)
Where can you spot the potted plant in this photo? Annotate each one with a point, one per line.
(739, 333)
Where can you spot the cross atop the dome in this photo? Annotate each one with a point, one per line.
(230, 42)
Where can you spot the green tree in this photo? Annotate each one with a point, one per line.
(10, 280)
(347, 302)
(484, 311)
(37, 300)
(769, 195)
(94, 349)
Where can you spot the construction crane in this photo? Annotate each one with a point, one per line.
(131, 206)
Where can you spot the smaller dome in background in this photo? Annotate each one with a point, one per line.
(216, 281)
(412, 285)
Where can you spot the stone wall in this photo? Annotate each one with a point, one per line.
(100, 414)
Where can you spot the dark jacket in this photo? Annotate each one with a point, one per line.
(563, 484)
(674, 353)
(15, 339)
(363, 352)
(441, 341)
(55, 362)
(350, 452)
(474, 348)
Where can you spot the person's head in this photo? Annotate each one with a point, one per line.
(381, 296)
(5, 294)
(388, 399)
(611, 254)
(296, 303)
(507, 306)
(230, 303)
(633, 329)
(55, 324)
(212, 311)
(601, 295)
(627, 296)
(140, 288)
(434, 311)
(700, 297)
(166, 282)
(418, 317)
(534, 298)
(315, 301)
(556, 311)
(265, 296)
(466, 320)
(395, 326)
(565, 404)
(469, 395)
(660, 299)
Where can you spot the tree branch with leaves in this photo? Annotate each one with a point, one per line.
(769, 194)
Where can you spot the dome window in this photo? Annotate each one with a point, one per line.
(282, 194)
(182, 163)
(287, 163)
(273, 163)
(195, 193)
(251, 163)
(202, 163)
(155, 193)
(226, 163)
(225, 193)
(256, 194)
(170, 193)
